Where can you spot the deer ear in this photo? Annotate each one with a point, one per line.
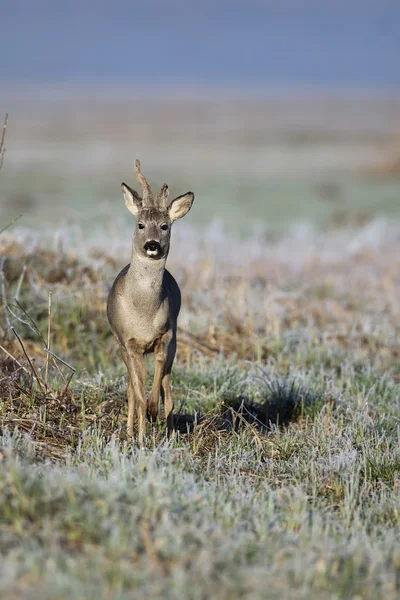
(132, 199)
(180, 206)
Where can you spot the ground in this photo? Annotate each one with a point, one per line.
(288, 484)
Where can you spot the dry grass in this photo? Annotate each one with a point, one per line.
(285, 482)
(286, 305)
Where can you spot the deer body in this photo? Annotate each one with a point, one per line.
(144, 302)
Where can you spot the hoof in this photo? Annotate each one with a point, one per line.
(152, 414)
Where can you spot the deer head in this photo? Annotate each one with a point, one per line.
(154, 216)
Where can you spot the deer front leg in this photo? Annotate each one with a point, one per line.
(137, 377)
(131, 408)
(161, 357)
(131, 396)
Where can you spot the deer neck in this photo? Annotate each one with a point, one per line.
(144, 280)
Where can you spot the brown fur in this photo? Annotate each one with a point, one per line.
(144, 302)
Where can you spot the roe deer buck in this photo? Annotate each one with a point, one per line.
(144, 301)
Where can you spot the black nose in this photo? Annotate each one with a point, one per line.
(152, 245)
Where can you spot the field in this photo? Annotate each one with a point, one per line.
(284, 478)
(262, 157)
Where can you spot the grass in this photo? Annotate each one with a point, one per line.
(287, 484)
(241, 202)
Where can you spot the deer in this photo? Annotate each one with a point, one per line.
(144, 302)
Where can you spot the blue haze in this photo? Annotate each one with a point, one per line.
(289, 42)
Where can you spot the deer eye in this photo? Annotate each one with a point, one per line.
(164, 227)
(140, 226)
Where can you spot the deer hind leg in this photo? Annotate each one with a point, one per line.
(161, 357)
(166, 394)
(136, 387)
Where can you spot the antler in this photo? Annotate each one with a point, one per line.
(160, 200)
(147, 193)
(162, 197)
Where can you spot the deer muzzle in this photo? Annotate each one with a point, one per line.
(152, 248)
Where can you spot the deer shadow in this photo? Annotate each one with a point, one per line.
(281, 402)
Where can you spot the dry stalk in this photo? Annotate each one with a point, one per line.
(3, 292)
(10, 223)
(28, 359)
(150, 549)
(14, 359)
(46, 377)
(19, 285)
(56, 359)
(3, 137)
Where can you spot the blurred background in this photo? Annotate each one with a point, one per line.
(273, 113)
